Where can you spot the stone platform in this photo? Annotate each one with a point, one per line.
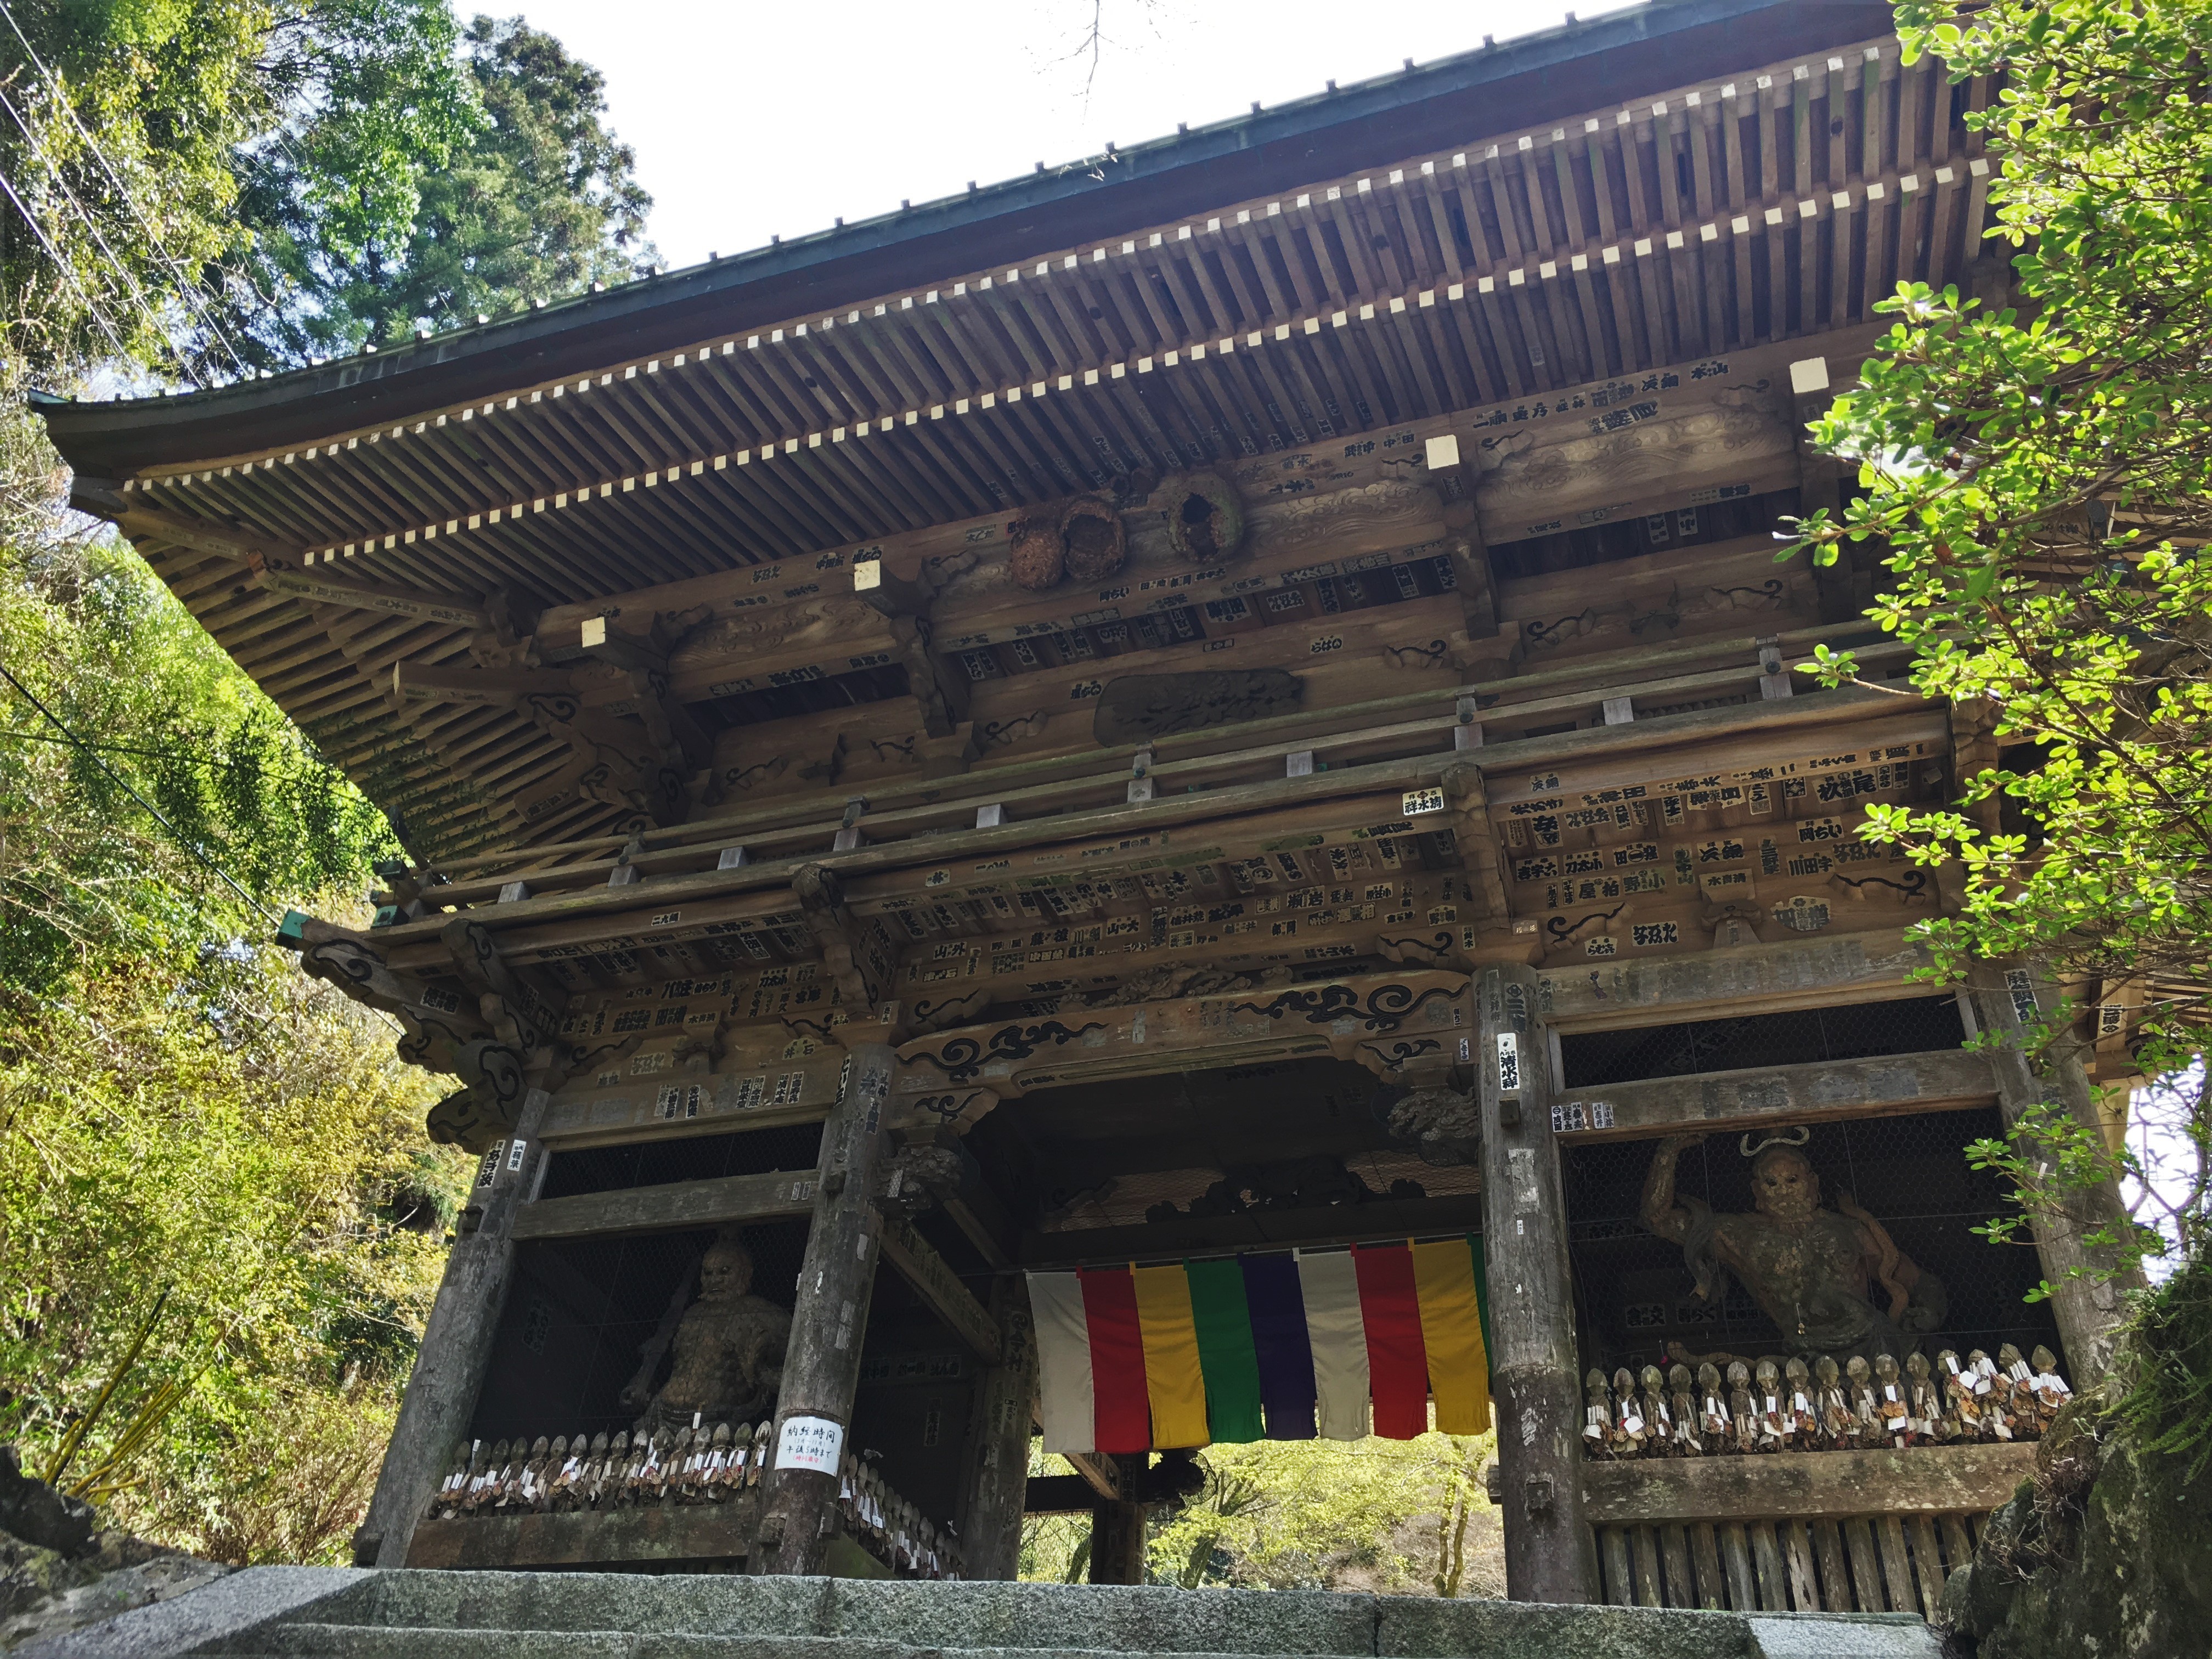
(291, 1613)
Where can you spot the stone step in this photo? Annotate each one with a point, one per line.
(318, 1641)
(1604, 1636)
(1084, 1618)
(292, 1612)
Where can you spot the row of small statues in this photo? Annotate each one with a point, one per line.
(692, 1466)
(1778, 1405)
(695, 1465)
(889, 1527)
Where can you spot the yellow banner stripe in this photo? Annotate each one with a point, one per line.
(1451, 1329)
(1172, 1375)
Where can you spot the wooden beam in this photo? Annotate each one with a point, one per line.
(496, 688)
(918, 1262)
(1323, 1227)
(1059, 1494)
(1945, 1079)
(277, 567)
(670, 1206)
(997, 1451)
(1100, 1471)
(107, 499)
(1797, 972)
(591, 1537)
(456, 1347)
(322, 585)
(1805, 1485)
(2088, 1298)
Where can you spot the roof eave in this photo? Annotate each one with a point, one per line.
(1430, 107)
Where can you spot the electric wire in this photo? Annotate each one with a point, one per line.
(185, 285)
(61, 265)
(175, 833)
(129, 749)
(91, 751)
(137, 293)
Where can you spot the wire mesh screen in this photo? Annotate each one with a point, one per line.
(1633, 1294)
(1800, 1035)
(580, 1311)
(696, 1157)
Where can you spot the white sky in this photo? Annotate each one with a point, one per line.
(750, 119)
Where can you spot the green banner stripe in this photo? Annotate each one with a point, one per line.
(1482, 1298)
(1226, 1351)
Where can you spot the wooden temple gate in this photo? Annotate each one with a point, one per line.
(1181, 709)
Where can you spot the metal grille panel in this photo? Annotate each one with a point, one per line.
(1633, 1295)
(694, 1157)
(1796, 1037)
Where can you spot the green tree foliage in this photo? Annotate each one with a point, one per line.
(1407, 1516)
(87, 875)
(209, 1124)
(497, 186)
(208, 188)
(180, 1110)
(118, 144)
(199, 1147)
(2041, 478)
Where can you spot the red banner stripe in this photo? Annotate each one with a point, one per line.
(1397, 1359)
(1117, 1358)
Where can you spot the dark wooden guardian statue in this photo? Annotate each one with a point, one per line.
(1817, 1272)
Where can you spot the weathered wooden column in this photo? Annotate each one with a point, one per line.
(456, 1348)
(830, 1321)
(2088, 1309)
(1117, 1528)
(996, 1483)
(1550, 1555)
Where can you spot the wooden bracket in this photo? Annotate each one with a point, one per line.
(856, 949)
(1475, 837)
(497, 687)
(515, 1010)
(643, 665)
(1100, 1470)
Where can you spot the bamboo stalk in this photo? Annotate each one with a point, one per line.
(78, 1429)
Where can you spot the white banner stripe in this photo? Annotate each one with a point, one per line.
(1330, 1286)
(1066, 1395)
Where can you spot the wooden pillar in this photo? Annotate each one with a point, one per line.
(449, 1366)
(1117, 1530)
(836, 1280)
(2008, 995)
(996, 1480)
(1550, 1555)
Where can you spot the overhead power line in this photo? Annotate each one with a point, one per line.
(123, 271)
(63, 266)
(152, 811)
(185, 285)
(209, 764)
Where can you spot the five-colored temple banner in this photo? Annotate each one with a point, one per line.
(1279, 1346)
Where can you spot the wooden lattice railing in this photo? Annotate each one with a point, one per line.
(1871, 1531)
